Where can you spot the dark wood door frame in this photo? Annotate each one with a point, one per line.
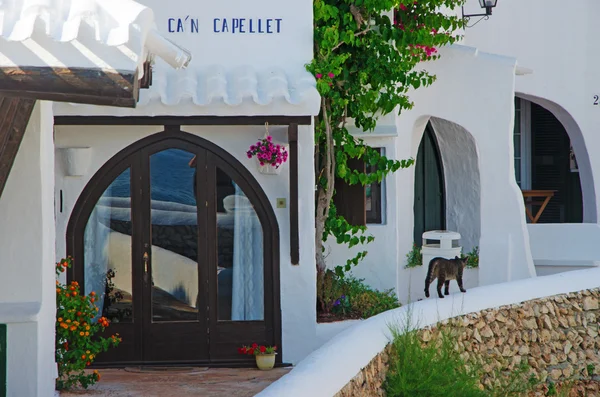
(173, 124)
(252, 189)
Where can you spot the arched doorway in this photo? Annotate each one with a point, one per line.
(545, 161)
(188, 244)
(429, 206)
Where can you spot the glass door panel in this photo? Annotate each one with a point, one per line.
(174, 225)
(240, 275)
(107, 251)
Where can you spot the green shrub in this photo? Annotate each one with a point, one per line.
(436, 368)
(351, 297)
(77, 341)
(414, 258)
(473, 261)
(433, 370)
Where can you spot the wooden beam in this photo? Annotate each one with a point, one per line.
(146, 80)
(189, 120)
(294, 227)
(14, 117)
(78, 85)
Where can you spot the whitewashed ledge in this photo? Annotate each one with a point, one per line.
(325, 371)
(19, 312)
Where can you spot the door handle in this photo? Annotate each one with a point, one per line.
(146, 258)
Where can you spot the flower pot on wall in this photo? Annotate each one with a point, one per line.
(265, 362)
(77, 160)
(268, 169)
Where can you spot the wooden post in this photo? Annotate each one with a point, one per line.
(14, 117)
(294, 232)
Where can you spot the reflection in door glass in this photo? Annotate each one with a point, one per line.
(240, 254)
(107, 251)
(174, 256)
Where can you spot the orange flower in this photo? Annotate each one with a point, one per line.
(74, 293)
(88, 363)
(87, 334)
(68, 321)
(92, 300)
(58, 290)
(60, 320)
(87, 328)
(93, 293)
(83, 356)
(73, 328)
(81, 333)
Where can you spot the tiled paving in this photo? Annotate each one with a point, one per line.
(180, 382)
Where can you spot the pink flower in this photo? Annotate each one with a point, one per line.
(318, 75)
(402, 7)
(331, 75)
(269, 138)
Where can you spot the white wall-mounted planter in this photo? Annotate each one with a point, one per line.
(268, 169)
(77, 160)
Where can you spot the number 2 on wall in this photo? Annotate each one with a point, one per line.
(596, 99)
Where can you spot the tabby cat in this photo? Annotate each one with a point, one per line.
(445, 270)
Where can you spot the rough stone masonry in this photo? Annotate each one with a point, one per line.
(557, 336)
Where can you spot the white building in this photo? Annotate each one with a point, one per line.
(203, 271)
(509, 103)
(197, 272)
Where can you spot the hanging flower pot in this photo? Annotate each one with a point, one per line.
(269, 155)
(268, 169)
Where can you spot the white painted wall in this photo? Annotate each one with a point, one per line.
(564, 70)
(298, 283)
(565, 244)
(325, 371)
(463, 95)
(27, 290)
(460, 165)
(379, 268)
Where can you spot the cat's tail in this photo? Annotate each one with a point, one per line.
(428, 278)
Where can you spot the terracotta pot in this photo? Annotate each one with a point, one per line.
(265, 362)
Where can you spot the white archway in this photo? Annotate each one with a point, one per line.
(590, 214)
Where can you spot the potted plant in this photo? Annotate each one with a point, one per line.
(264, 355)
(269, 155)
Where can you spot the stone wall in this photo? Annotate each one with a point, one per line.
(557, 336)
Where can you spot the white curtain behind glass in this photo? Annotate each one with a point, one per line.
(95, 254)
(248, 274)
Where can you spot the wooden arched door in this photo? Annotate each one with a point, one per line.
(430, 201)
(181, 246)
